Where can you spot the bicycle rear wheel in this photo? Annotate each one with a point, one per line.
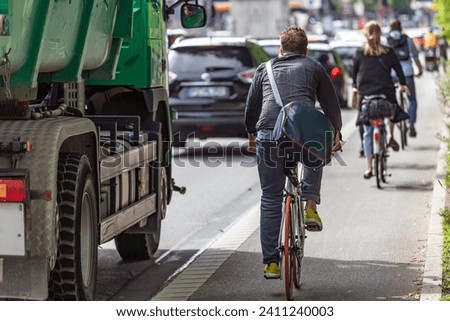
(288, 258)
(383, 166)
(378, 170)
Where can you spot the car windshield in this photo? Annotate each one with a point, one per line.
(208, 59)
(272, 51)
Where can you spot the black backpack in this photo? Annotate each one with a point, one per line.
(400, 47)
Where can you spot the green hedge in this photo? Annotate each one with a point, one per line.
(446, 253)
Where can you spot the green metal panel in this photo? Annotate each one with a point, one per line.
(108, 70)
(21, 44)
(78, 37)
(142, 57)
(4, 7)
(58, 37)
(108, 42)
(124, 23)
(72, 71)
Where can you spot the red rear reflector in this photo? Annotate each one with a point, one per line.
(336, 72)
(376, 137)
(13, 190)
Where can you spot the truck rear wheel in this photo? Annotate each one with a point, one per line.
(142, 246)
(75, 272)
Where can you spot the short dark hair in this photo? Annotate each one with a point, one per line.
(294, 39)
(395, 25)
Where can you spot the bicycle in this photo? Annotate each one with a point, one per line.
(292, 231)
(402, 126)
(380, 150)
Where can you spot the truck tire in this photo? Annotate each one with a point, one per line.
(142, 246)
(75, 272)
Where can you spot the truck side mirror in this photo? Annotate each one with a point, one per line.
(192, 16)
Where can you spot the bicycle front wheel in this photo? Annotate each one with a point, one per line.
(403, 134)
(288, 257)
(298, 226)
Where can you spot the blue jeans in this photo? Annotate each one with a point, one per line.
(368, 141)
(412, 112)
(272, 180)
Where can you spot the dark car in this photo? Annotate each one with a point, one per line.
(333, 63)
(329, 58)
(209, 79)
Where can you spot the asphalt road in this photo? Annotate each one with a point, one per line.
(372, 247)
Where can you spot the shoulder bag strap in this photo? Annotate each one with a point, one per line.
(273, 84)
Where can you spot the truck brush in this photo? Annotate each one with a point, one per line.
(14, 109)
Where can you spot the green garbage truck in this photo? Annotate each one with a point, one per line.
(85, 138)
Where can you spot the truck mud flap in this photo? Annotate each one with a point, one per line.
(23, 278)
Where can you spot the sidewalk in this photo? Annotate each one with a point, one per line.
(432, 276)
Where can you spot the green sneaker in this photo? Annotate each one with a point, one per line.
(272, 271)
(312, 220)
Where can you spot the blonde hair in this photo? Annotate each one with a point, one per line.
(373, 47)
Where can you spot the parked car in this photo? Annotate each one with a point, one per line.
(209, 79)
(331, 60)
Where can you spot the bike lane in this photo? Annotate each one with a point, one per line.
(374, 243)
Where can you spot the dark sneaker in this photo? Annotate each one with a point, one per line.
(368, 174)
(272, 271)
(312, 220)
(412, 131)
(394, 145)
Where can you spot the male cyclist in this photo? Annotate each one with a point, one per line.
(407, 54)
(301, 79)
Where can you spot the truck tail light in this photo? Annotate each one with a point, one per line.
(13, 190)
(336, 72)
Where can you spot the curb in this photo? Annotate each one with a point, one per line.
(432, 275)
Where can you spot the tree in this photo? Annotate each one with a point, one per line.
(400, 5)
(443, 16)
(368, 4)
